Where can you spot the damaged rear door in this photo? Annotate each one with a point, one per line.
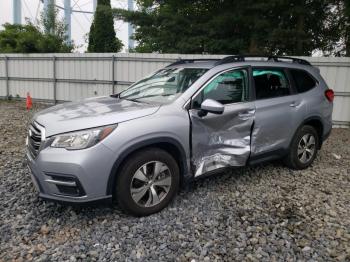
(222, 139)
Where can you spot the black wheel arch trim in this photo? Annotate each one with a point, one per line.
(184, 172)
(308, 119)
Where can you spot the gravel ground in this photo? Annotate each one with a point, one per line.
(258, 213)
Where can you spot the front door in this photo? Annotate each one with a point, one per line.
(222, 140)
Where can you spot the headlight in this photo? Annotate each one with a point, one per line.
(82, 139)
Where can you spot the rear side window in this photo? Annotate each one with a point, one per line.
(270, 83)
(303, 81)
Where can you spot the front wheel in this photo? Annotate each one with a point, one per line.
(147, 182)
(303, 149)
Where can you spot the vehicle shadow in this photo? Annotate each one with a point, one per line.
(102, 209)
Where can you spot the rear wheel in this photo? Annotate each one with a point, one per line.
(147, 182)
(303, 149)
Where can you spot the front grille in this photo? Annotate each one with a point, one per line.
(34, 139)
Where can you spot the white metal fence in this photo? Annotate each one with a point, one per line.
(69, 77)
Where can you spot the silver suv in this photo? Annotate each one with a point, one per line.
(189, 119)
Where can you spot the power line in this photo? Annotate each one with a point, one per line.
(30, 13)
(76, 3)
(76, 8)
(37, 12)
(76, 20)
(87, 3)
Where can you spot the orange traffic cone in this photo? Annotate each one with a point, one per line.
(29, 102)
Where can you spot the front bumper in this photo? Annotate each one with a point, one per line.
(79, 176)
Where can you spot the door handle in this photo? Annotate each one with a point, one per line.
(246, 114)
(294, 104)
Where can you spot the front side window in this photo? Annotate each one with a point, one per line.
(227, 88)
(270, 83)
(303, 81)
(164, 86)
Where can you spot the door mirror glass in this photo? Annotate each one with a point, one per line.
(212, 106)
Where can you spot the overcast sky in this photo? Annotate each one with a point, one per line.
(80, 22)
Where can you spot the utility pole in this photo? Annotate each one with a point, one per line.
(17, 11)
(94, 4)
(130, 27)
(68, 19)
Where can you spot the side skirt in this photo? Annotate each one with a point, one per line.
(267, 156)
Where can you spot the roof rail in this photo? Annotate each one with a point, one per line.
(242, 58)
(187, 61)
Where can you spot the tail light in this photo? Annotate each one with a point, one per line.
(329, 95)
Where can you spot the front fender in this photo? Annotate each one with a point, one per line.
(183, 160)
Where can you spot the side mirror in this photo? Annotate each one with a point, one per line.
(211, 106)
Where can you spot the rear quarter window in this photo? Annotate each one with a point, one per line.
(303, 80)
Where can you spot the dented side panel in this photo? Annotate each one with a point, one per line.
(276, 121)
(222, 140)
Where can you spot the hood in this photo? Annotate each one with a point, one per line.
(89, 113)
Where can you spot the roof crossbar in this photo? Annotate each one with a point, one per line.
(187, 61)
(242, 58)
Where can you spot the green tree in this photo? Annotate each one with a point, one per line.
(49, 21)
(346, 29)
(102, 36)
(337, 29)
(30, 39)
(49, 36)
(54, 28)
(226, 26)
(302, 27)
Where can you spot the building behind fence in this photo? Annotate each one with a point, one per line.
(69, 77)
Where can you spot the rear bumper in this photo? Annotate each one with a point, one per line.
(326, 135)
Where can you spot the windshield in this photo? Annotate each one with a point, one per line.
(164, 86)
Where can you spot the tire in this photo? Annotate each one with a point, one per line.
(139, 175)
(297, 160)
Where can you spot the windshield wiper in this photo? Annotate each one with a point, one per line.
(115, 95)
(129, 99)
(134, 100)
(141, 97)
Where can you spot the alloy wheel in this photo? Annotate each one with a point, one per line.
(306, 148)
(150, 184)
